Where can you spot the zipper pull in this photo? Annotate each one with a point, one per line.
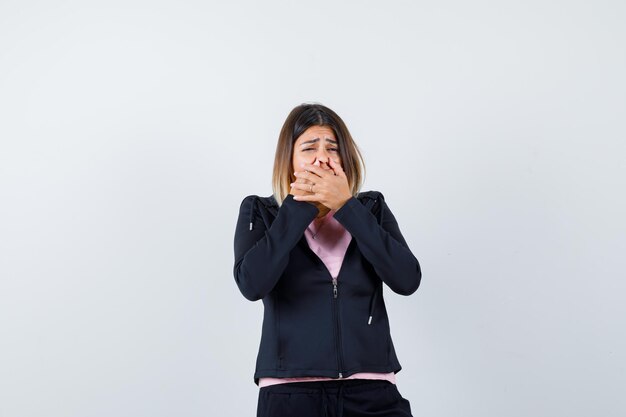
(335, 287)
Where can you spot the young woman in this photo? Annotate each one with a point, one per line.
(317, 252)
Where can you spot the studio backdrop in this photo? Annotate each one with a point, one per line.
(130, 132)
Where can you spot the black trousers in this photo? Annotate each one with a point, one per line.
(347, 398)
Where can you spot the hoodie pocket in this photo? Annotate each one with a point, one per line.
(373, 303)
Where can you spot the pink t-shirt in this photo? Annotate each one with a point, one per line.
(329, 241)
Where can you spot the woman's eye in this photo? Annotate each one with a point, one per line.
(312, 149)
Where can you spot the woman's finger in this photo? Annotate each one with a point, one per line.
(336, 168)
(320, 172)
(303, 181)
(306, 197)
(302, 186)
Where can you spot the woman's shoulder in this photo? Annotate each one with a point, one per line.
(370, 194)
(268, 201)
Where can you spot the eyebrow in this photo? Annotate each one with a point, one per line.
(317, 140)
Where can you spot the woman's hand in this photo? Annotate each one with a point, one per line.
(300, 190)
(326, 186)
(322, 209)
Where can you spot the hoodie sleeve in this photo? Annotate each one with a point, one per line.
(382, 244)
(261, 253)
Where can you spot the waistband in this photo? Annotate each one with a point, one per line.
(312, 387)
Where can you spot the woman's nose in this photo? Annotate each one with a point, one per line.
(321, 157)
(320, 160)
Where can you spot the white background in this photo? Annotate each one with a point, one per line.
(130, 131)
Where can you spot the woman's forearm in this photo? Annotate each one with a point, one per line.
(262, 254)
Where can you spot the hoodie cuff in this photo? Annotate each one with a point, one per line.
(347, 207)
(305, 208)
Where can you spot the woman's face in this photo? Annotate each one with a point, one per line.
(316, 146)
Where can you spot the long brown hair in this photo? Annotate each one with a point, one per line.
(300, 119)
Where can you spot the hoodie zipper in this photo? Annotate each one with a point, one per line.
(337, 327)
(335, 308)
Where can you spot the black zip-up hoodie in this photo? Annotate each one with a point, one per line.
(314, 325)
